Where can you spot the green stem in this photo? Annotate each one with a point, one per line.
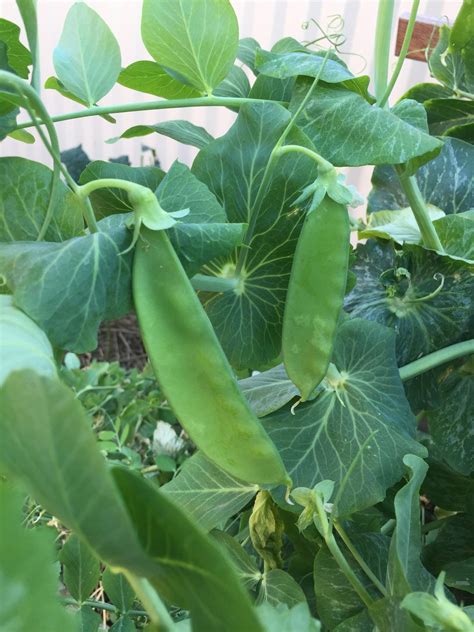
(463, 93)
(437, 358)
(383, 35)
(433, 525)
(34, 103)
(322, 163)
(108, 183)
(356, 555)
(325, 529)
(388, 527)
(102, 605)
(207, 283)
(415, 199)
(403, 54)
(162, 104)
(155, 608)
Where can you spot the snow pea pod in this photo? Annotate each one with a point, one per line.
(315, 294)
(193, 370)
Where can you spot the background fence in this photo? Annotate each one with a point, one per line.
(265, 20)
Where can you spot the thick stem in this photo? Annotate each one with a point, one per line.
(415, 199)
(382, 46)
(403, 54)
(322, 163)
(108, 183)
(437, 358)
(162, 104)
(148, 596)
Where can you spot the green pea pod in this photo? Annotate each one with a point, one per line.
(315, 295)
(193, 370)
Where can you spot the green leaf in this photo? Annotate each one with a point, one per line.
(454, 543)
(151, 78)
(60, 464)
(87, 620)
(279, 587)
(182, 189)
(235, 85)
(18, 57)
(283, 619)
(97, 288)
(355, 436)
(118, 590)
(292, 64)
(405, 571)
(450, 422)
(23, 345)
(456, 233)
(447, 65)
(401, 226)
(53, 83)
(184, 36)
(29, 580)
(26, 190)
(124, 624)
(207, 493)
(389, 297)
(194, 573)
(338, 602)
(182, 131)
(422, 92)
(444, 114)
(447, 488)
(249, 322)
(444, 182)
(108, 201)
(348, 131)
(87, 57)
(245, 565)
(272, 89)
(268, 391)
(81, 568)
(247, 52)
(460, 575)
(23, 136)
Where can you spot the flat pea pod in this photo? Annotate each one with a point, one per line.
(193, 370)
(315, 295)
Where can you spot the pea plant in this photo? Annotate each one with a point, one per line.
(298, 454)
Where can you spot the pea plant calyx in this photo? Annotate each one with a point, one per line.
(315, 396)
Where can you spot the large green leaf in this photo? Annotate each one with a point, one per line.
(62, 467)
(355, 436)
(151, 78)
(454, 543)
(26, 191)
(182, 131)
(29, 16)
(456, 233)
(97, 287)
(207, 493)
(383, 293)
(23, 345)
(194, 573)
(279, 587)
(249, 320)
(348, 131)
(18, 57)
(118, 590)
(445, 182)
(247, 52)
(53, 83)
(236, 84)
(87, 57)
(446, 113)
(197, 40)
(283, 619)
(109, 200)
(28, 578)
(447, 488)
(244, 564)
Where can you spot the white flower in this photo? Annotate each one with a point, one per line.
(166, 441)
